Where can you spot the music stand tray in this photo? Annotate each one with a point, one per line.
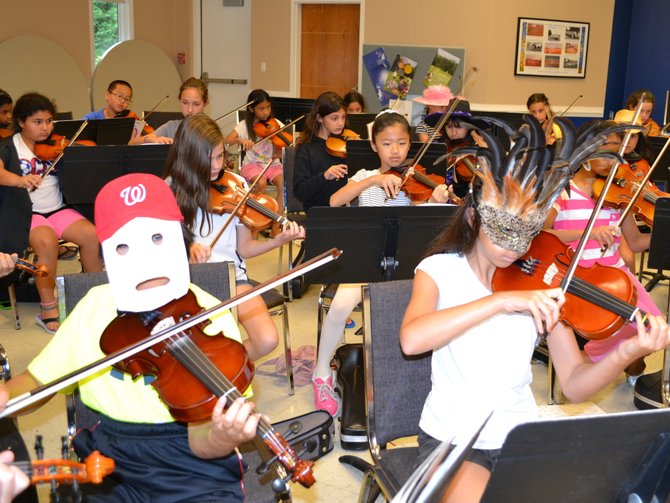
(595, 458)
(378, 243)
(83, 171)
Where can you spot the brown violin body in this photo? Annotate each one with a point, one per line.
(50, 149)
(624, 186)
(186, 397)
(259, 210)
(599, 300)
(193, 370)
(464, 167)
(336, 145)
(420, 185)
(265, 128)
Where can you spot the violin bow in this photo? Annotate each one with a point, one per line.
(284, 127)
(438, 127)
(642, 185)
(144, 117)
(20, 402)
(233, 111)
(53, 164)
(570, 271)
(243, 200)
(550, 120)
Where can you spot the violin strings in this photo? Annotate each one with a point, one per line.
(592, 293)
(205, 370)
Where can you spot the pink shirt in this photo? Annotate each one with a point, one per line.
(574, 211)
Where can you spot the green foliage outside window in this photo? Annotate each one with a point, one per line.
(105, 27)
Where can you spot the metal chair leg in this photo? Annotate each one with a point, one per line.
(12, 301)
(287, 351)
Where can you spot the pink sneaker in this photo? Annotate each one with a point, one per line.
(325, 397)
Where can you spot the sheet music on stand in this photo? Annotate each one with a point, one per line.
(431, 479)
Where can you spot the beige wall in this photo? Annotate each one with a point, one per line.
(165, 23)
(270, 43)
(64, 23)
(486, 29)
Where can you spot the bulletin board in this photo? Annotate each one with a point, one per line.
(423, 56)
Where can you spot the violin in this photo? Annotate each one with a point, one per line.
(623, 188)
(192, 370)
(50, 149)
(419, 187)
(265, 128)
(259, 210)
(94, 468)
(465, 167)
(599, 299)
(336, 144)
(39, 270)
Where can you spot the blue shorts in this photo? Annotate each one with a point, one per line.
(154, 463)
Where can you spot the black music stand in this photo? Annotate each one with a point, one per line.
(361, 156)
(101, 131)
(358, 123)
(83, 171)
(650, 389)
(594, 458)
(378, 243)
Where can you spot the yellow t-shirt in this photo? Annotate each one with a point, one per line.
(110, 391)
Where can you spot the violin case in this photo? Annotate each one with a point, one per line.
(311, 435)
(647, 393)
(351, 383)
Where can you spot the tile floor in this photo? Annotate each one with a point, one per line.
(335, 482)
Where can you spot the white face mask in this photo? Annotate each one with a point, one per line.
(146, 264)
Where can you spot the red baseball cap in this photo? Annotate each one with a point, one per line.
(131, 196)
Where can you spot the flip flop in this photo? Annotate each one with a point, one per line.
(69, 252)
(42, 322)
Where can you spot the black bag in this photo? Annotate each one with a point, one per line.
(313, 433)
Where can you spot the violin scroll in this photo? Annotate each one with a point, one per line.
(39, 270)
(94, 468)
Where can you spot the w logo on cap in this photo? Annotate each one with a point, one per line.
(134, 194)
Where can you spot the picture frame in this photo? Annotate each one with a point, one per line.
(551, 48)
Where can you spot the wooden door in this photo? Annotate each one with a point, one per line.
(329, 48)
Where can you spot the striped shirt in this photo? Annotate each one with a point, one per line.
(375, 195)
(574, 211)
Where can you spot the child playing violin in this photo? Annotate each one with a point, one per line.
(258, 153)
(157, 458)
(354, 102)
(196, 158)
(375, 187)
(317, 173)
(193, 97)
(539, 107)
(651, 126)
(437, 99)
(475, 333)
(39, 216)
(567, 220)
(118, 96)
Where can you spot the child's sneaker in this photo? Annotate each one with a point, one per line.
(325, 397)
